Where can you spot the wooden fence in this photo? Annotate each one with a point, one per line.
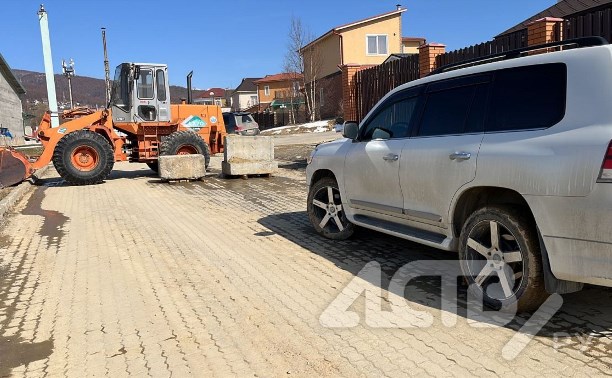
(268, 120)
(596, 23)
(508, 42)
(374, 83)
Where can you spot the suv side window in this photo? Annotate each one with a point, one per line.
(381, 121)
(395, 117)
(455, 107)
(525, 98)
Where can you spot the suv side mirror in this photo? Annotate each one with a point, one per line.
(350, 130)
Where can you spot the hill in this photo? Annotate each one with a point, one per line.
(86, 91)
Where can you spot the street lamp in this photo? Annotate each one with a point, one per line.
(68, 71)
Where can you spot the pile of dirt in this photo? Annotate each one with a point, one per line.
(293, 156)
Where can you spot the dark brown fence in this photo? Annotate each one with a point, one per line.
(264, 120)
(596, 23)
(508, 42)
(268, 120)
(374, 83)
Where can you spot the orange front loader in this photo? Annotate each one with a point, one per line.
(139, 125)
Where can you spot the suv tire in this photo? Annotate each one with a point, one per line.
(326, 212)
(508, 271)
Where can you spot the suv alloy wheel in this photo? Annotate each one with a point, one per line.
(326, 212)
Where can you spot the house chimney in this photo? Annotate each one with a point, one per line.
(399, 6)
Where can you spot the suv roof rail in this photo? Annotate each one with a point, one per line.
(516, 53)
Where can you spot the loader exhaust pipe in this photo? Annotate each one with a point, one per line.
(189, 91)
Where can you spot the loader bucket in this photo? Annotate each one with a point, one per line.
(14, 167)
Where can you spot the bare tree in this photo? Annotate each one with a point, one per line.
(304, 62)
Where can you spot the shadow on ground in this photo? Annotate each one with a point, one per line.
(588, 312)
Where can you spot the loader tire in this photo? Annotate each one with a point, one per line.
(185, 142)
(83, 157)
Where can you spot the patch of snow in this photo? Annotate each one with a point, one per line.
(310, 127)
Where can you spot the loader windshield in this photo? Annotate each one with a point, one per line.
(120, 94)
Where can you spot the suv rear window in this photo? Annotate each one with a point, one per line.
(531, 97)
(446, 112)
(244, 118)
(456, 106)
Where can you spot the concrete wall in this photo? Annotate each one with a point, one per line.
(11, 111)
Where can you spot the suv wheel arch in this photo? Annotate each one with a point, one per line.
(318, 175)
(475, 198)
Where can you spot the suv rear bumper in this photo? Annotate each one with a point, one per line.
(576, 233)
(580, 260)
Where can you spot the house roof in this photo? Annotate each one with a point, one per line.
(6, 71)
(420, 40)
(216, 92)
(338, 29)
(248, 85)
(393, 57)
(562, 9)
(285, 76)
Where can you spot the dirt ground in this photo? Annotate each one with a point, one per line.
(293, 156)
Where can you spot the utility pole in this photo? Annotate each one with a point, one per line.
(106, 68)
(68, 71)
(46, 46)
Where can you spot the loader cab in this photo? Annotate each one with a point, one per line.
(140, 93)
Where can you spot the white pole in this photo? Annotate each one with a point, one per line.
(46, 45)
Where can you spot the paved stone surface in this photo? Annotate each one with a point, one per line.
(227, 278)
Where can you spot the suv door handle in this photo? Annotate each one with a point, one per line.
(460, 156)
(391, 157)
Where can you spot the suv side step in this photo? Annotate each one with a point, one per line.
(401, 229)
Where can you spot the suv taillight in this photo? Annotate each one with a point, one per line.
(606, 167)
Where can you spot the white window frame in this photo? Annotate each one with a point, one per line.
(267, 90)
(378, 53)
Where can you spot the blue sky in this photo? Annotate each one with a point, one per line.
(224, 41)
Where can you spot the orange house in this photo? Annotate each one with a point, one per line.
(274, 91)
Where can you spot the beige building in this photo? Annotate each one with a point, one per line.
(366, 42)
(275, 91)
(244, 97)
(410, 45)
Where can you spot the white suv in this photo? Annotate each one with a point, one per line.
(501, 162)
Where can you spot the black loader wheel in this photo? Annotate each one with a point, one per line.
(500, 254)
(83, 157)
(185, 143)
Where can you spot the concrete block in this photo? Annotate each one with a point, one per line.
(249, 168)
(248, 155)
(182, 167)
